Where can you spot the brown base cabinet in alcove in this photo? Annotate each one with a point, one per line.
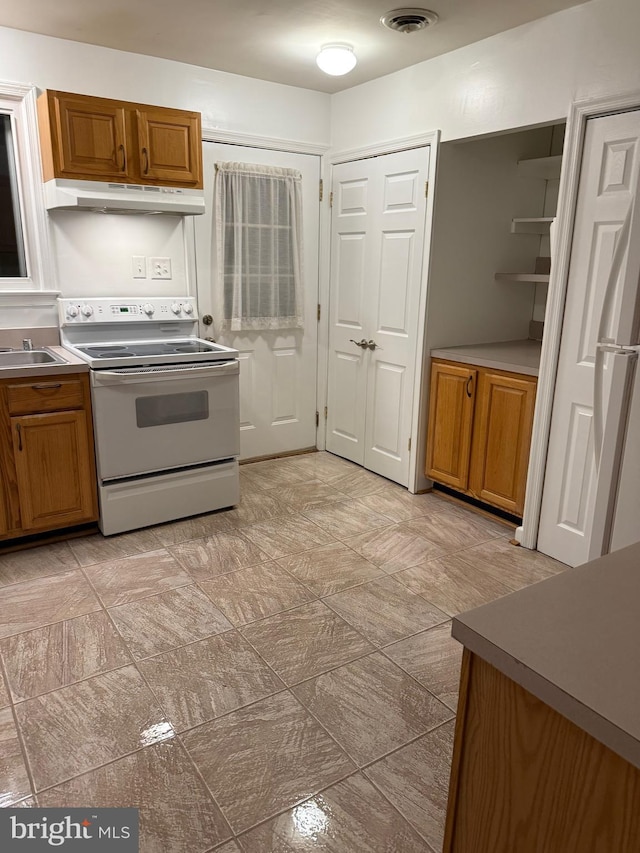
(479, 432)
(47, 470)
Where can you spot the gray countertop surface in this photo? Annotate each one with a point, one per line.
(573, 641)
(515, 356)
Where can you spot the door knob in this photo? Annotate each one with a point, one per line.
(207, 319)
(373, 345)
(362, 344)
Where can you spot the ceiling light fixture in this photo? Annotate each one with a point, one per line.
(336, 59)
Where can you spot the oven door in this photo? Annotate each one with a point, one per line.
(165, 417)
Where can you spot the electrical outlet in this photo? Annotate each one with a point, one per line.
(139, 266)
(160, 267)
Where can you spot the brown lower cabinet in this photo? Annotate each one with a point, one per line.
(47, 469)
(479, 432)
(525, 779)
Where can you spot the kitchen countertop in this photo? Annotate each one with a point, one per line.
(516, 356)
(573, 641)
(72, 364)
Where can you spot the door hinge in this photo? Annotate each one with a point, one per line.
(321, 193)
(409, 447)
(317, 419)
(426, 189)
(318, 312)
(331, 199)
(326, 412)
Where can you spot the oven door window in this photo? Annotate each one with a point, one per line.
(163, 409)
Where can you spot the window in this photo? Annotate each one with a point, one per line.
(12, 260)
(259, 242)
(24, 255)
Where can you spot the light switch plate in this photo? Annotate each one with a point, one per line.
(139, 266)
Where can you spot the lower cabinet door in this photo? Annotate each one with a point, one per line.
(53, 469)
(451, 406)
(501, 440)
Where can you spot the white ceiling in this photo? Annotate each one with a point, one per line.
(275, 40)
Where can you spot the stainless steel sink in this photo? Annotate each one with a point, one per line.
(24, 358)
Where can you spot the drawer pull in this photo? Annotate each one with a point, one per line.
(48, 385)
(19, 428)
(469, 381)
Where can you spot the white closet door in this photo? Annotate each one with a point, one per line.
(608, 174)
(378, 228)
(277, 368)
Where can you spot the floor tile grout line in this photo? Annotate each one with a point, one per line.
(305, 799)
(86, 771)
(294, 805)
(386, 797)
(200, 775)
(358, 660)
(19, 733)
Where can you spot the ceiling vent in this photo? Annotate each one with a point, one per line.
(409, 20)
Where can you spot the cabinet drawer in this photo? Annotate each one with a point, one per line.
(45, 394)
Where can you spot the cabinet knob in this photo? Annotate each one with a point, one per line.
(123, 168)
(469, 381)
(145, 154)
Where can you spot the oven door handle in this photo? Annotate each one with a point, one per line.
(134, 375)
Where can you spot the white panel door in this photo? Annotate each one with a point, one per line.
(608, 178)
(277, 368)
(378, 227)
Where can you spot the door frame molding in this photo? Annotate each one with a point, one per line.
(251, 140)
(417, 479)
(579, 112)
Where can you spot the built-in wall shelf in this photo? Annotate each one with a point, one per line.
(536, 278)
(545, 168)
(532, 225)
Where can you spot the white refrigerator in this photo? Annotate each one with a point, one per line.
(591, 494)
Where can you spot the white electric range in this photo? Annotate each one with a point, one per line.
(165, 408)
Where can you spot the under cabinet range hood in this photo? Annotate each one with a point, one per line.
(104, 197)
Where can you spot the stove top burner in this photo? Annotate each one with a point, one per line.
(156, 348)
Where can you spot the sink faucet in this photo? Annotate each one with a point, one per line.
(27, 344)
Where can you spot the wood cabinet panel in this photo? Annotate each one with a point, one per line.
(170, 142)
(501, 441)
(107, 140)
(479, 432)
(451, 408)
(45, 395)
(47, 469)
(526, 779)
(88, 138)
(51, 453)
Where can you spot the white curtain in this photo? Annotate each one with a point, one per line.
(258, 274)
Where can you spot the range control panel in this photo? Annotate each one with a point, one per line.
(73, 312)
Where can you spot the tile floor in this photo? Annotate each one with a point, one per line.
(275, 677)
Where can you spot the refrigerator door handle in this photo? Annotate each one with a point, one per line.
(620, 250)
(605, 343)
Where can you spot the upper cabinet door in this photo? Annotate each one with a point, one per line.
(170, 146)
(89, 138)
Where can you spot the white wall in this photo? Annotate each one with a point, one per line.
(227, 101)
(92, 253)
(522, 77)
(479, 191)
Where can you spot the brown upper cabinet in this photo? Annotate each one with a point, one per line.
(99, 139)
